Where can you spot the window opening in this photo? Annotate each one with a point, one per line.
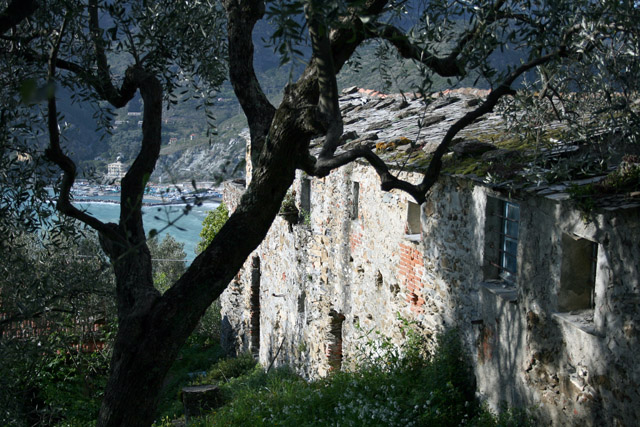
(578, 274)
(356, 200)
(592, 279)
(254, 306)
(301, 299)
(305, 196)
(413, 219)
(509, 228)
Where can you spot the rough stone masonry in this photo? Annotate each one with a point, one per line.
(549, 316)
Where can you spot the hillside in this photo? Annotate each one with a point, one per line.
(196, 147)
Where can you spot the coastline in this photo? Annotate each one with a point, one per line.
(160, 201)
(169, 218)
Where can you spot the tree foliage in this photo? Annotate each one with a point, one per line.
(168, 259)
(57, 301)
(211, 225)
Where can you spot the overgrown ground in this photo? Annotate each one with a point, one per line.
(392, 387)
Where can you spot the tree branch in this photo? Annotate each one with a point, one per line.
(242, 17)
(136, 179)
(328, 106)
(102, 81)
(433, 171)
(446, 67)
(16, 12)
(55, 154)
(116, 97)
(323, 166)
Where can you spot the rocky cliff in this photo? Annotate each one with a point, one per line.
(217, 161)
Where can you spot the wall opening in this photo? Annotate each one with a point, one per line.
(355, 190)
(413, 219)
(301, 300)
(254, 306)
(334, 346)
(305, 196)
(578, 274)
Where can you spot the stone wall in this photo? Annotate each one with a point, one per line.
(312, 291)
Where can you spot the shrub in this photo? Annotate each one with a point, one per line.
(211, 225)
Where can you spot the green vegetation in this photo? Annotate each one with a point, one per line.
(56, 326)
(70, 384)
(212, 223)
(289, 203)
(583, 196)
(228, 368)
(626, 178)
(306, 217)
(195, 357)
(391, 387)
(209, 326)
(168, 258)
(465, 166)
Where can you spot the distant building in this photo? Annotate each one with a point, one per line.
(23, 157)
(173, 140)
(192, 137)
(116, 170)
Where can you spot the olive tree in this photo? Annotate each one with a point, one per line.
(71, 43)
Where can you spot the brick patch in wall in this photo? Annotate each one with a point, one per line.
(411, 271)
(485, 344)
(355, 240)
(334, 344)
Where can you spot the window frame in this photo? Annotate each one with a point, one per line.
(508, 248)
(497, 215)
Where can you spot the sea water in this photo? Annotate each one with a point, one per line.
(185, 228)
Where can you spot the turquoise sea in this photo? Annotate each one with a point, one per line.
(185, 230)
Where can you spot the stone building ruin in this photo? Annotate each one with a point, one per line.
(546, 300)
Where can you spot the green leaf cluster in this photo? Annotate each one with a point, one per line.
(211, 225)
(168, 259)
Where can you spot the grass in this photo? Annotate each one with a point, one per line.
(395, 387)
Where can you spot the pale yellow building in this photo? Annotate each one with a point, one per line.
(116, 170)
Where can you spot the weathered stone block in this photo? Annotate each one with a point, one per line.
(198, 400)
